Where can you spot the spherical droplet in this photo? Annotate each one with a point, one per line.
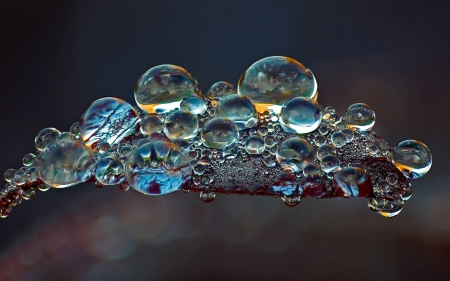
(193, 104)
(9, 174)
(338, 139)
(28, 159)
(180, 125)
(238, 109)
(150, 124)
(255, 145)
(391, 208)
(350, 180)
(45, 137)
(109, 171)
(108, 119)
(158, 167)
(349, 135)
(311, 170)
(300, 115)
(325, 150)
(360, 117)
(207, 196)
(219, 90)
(291, 201)
(413, 158)
(373, 149)
(295, 153)
(329, 164)
(320, 140)
(219, 133)
(162, 88)
(272, 81)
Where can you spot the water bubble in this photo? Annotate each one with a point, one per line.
(407, 193)
(311, 170)
(107, 119)
(270, 141)
(109, 171)
(9, 174)
(349, 135)
(360, 117)
(219, 90)
(255, 145)
(285, 184)
(338, 139)
(351, 179)
(219, 133)
(193, 104)
(269, 162)
(180, 125)
(124, 186)
(325, 150)
(323, 130)
(391, 208)
(19, 178)
(392, 178)
(150, 124)
(329, 164)
(158, 167)
(272, 81)
(162, 88)
(413, 158)
(300, 115)
(340, 126)
(199, 169)
(65, 165)
(263, 131)
(291, 201)
(32, 174)
(205, 160)
(28, 159)
(207, 196)
(373, 149)
(295, 153)
(320, 140)
(237, 109)
(45, 137)
(207, 179)
(28, 194)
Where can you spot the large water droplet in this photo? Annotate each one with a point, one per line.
(300, 115)
(255, 145)
(45, 137)
(272, 81)
(295, 153)
(219, 133)
(219, 90)
(180, 125)
(107, 119)
(193, 104)
(360, 117)
(413, 158)
(162, 88)
(237, 109)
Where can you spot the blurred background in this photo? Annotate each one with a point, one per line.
(58, 56)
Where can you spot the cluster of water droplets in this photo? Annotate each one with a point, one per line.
(269, 137)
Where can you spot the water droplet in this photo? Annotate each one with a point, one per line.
(263, 131)
(219, 90)
(340, 126)
(219, 133)
(124, 186)
(207, 179)
(392, 208)
(75, 129)
(323, 130)
(325, 150)
(102, 147)
(125, 150)
(193, 104)
(150, 124)
(199, 169)
(107, 119)
(329, 164)
(311, 170)
(270, 141)
(43, 187)
(45, 137)
(295, 153)
(238, 109)
(32, 174)
(19, 178)
(351, 179)
(320, 140)
(162, 88)
(338, 139)
(109, 171)
(360, 117)
(300, 115)
(207, 196)
(407, 193)
(373, 149)
(291, 201)
(9, 174)
(28, 194)
(158, 167)
(180, 125)
(269, 162)
(285, 184)
(272, 81)
(349, 135)
(255, 145)
(413, 158)
(28, 159)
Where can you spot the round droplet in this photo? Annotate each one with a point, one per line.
(75, 129)
(108, 119)
(193, 104)
(413, 158)
(291, 201)
(329, 164)
(360, 117)
(46, 137)
(300, 115)
(323, 130)
(150, 124)
(269, 162)
(325, 150)
(162, 88)
(349, 135)
(391, 208)
(63, 165)
(28, 159)
(207, 196)
(340, 126)
(295, 153)
(180, 125)
(158, 167)
(219, 90)
(32, 174)
(9, 174)
(351, 179)
(102, 147)
(407, 193)
(272, 81)
(338, 139)
(19, 177)
(219, 133)
(109, 171)
(320, 140)
(263, 131)
(270, 141)
(237, 109)
(311, 170)
(373, 149)
(255, 145)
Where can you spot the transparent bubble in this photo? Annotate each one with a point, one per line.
(360, 117)
(150, 124)
(162, 88)
(338, 139)
(320, 140)
(408, 193)
(373, 149)
(19, 178)
(32, 174)
(269, 162)
(255, 145)
(219, 90)
(102, 147)
(413, 158)
(45, 137)
(323, 130)
(63, 165)
(295, 153)
(272, 81)
(351, 179)
(325, 150)
(9, 174)
(180, 125)
(207, 196)
(311, 170)
(109, 171)
(237, 109)
(219, 133)
(291, 201)
(349, 135)
(199, 169)
(300, 115)
(392, 208)
(107, 119)
(28, 159)
(193, 104)
(329, 164)
(270, 141)
(263, 131)
(158, 167)
(340, 126)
